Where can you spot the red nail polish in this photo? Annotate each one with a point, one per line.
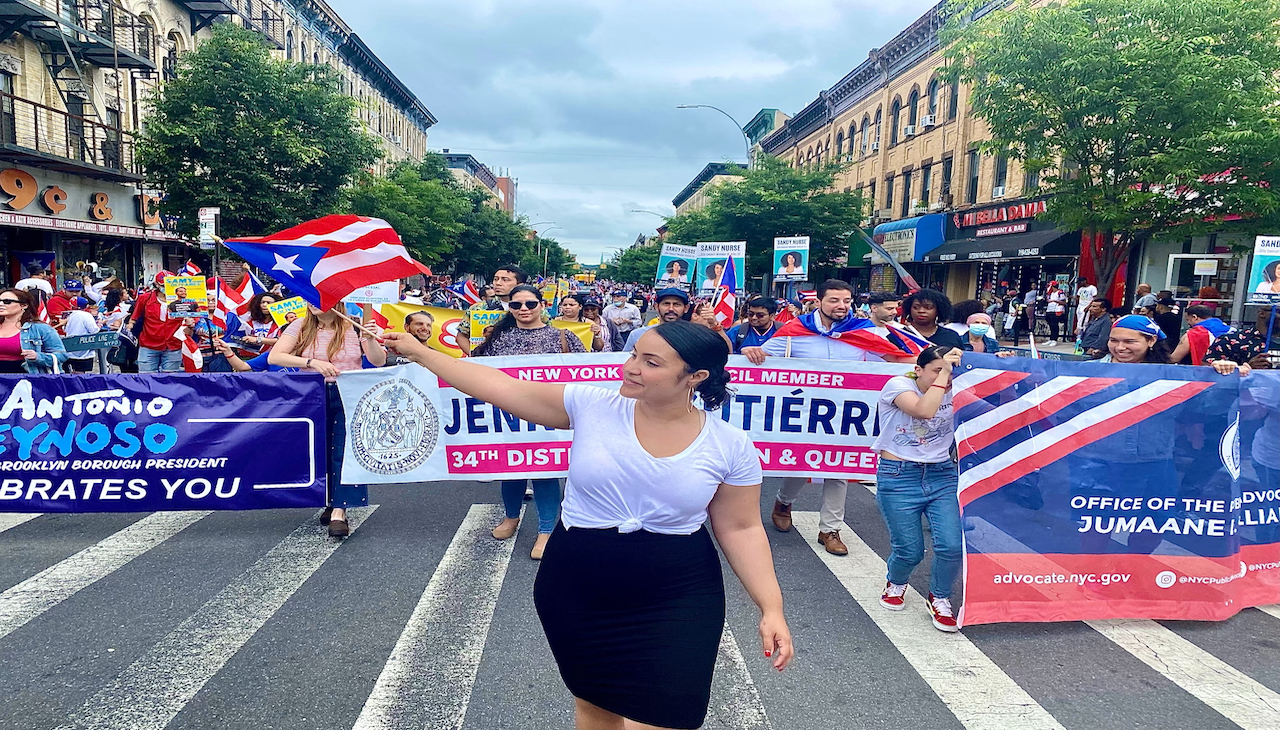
(768, 653)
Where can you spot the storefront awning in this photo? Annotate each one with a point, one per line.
(911, 238)
(1034, 244)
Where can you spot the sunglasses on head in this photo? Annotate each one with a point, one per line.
(534, 304)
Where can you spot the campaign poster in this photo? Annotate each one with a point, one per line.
(1264, 276)
(712, 258)
(287, 311)
(1099, 491)
(481, 322)
(375, 294)
(442, 335)
(145, 443)
(581, 330)
(675, 266)
(186, 296)
(791, 259)
(808, 418)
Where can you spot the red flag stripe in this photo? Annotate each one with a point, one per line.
(988, 387)
(1050, 406)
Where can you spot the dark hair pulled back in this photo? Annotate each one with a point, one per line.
(931, 353)
(701, 349)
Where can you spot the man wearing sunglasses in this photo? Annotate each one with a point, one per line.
(758, 328)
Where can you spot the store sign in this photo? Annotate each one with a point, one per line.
(1001, 214)
(1002, 230)
(1000, 254)
(900, 244)
(57, 201)
(1206, 267)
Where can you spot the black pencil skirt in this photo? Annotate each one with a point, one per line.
(634, 620)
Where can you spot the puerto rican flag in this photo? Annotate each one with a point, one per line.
(724, 302)
(468, 291)
(859, 332)
(190, 269)
(808, 295)
(1203, 334)
(326, 259)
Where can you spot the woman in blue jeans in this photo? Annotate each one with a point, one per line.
(916, 475)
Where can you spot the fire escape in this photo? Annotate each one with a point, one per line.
(255, 15)
(74, 38)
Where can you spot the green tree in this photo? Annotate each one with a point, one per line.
(489, 238)
(772, 200)
(1148, 117)
(426, 210)
(550, 257)
(270, 142)
(635, 265)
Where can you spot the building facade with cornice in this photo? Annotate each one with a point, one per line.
(910, 142)
(74, 79)
(694, 195)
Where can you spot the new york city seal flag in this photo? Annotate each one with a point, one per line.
(1097, 491)
(394, 432)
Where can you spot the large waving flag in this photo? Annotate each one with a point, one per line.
(724, 303)
(326, 259)
(859, 332)
(468, 291)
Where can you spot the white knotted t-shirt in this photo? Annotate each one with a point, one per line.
(614, 482)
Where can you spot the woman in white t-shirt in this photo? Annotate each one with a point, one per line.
(630, 592)
(915, 475)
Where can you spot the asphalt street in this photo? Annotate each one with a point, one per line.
(258, 620)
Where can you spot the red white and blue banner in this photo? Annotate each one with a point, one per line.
(142, 443)
(1098, 491)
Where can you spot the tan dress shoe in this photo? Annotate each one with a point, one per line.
(538, 546)
(506, 529)
(832, 542)
(782, 516)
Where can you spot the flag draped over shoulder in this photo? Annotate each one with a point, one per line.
(1203, 334)
(326, 259)
(858, 332)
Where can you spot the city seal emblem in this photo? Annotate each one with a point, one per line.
(395, 428)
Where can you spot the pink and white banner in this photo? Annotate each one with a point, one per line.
(809, 418)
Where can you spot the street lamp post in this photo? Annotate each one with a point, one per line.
(651, 212)
(745, 139)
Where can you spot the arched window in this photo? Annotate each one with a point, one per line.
(315, 58)
(913, 107)
(878, 125)
(862, 138)
(933, 97)
(895, 120)
(288, 45)
(303, 56)
(953, 106)
(840, 143)
(146, 38)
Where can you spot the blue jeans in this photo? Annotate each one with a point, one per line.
(159, 361)
(341, 496)
(904, 491)
(546, 496)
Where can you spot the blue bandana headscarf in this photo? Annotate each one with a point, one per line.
(1139, 323)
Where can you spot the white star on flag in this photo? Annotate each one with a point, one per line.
(286, 264)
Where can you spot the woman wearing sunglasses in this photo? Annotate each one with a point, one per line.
(522, 332)
(27, 346)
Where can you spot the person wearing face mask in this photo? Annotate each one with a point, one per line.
(979, 337)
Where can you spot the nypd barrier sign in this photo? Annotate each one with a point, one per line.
(140, 443)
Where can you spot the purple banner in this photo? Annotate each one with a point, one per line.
(142, 443)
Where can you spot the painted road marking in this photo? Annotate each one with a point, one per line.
(9, 520)
(978, 693)
(155, 688)
(55, 584)
(735, 700)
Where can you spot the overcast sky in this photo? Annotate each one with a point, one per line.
(577, 97)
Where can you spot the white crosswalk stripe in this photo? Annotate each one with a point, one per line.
(427, 681)
(978, 693)
(735, 700)
(10, 520)
(156, 687)
(1272, 610)
(46, 589)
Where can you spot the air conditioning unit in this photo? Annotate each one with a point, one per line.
(997, 192)
(396, 139)
(936, 206)
(928, 120)
(875, 146)
(909, 130)
(885, 214)
(947, 200)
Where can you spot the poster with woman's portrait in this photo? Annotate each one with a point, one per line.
(675, 266)
(712, 260)
(791, 258)
(1264, 278)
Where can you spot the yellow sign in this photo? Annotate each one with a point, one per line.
(580, 329)
(186, 296)
(284, 313)
(482, 321)
(444, 328)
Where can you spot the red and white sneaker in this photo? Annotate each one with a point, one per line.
(894, 596)
(944, 619)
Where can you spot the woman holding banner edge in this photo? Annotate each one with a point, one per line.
(630, 593)
(325, 343)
